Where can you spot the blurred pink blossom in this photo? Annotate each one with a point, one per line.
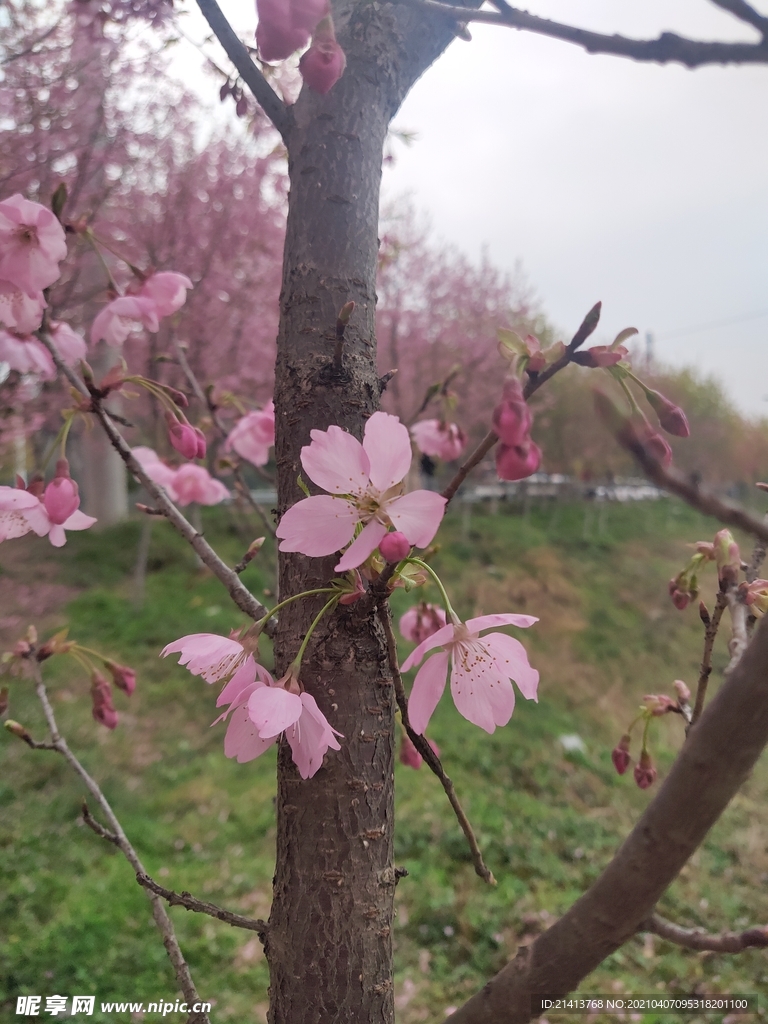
(32, 243)
(101, 695)
(19, 311)
(156, 469)
(194, 483)
(121, 316)
(71, 345)
(439, 438)
(286, 25)
(26, 355)
(253, 436)
(323, 64)
(421, 621)
(167, 290)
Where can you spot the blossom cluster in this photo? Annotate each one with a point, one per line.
(45, 510)
(286, 26)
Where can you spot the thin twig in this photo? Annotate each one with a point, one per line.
(237, 590)
(97, 827)
(697, 938)
(744, 12)
(534, 382)
(190, 902)
(710, 632)
(159, 913)
(278, 113)
(666, 48)
(426, 751)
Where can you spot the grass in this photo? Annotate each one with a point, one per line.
(73, 922)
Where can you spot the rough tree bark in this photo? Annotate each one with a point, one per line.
(329, 945)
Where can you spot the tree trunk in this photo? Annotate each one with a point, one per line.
(329, 945)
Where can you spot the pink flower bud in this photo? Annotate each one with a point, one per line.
(123, 677)
(645, 772)
(512, 419)
(101, 695)
(421, 621)
(680, 599)
(517, 462)
(620, 754)
(61, 497)
(410, 756)
(357, 592)
(658, 704)
(600, 356)
(682, 691)
(183, 437)
(671, 416)
(727, 557)
(658, 449)
(323, 64)
(394, 546)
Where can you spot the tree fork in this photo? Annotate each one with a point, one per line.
(329, 944)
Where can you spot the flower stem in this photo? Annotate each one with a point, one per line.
(449, 609)
(288, 600)
(326, 607)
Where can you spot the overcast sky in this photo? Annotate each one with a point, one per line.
(641, 185)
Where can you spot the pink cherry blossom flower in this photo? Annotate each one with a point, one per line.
(19, 311)
(70, 344)
(323, 64)
(600, 356)
(253, 436)
(185, 438)
(157, 470)
(123, 677)
(121, 316)
(167, 290)
(32, 243)
(421, 621)
(26, 355)
(62, 496)
(212, 656)
(410, 756)
(43, 525)
(512, 419)
(366, 486)
(13, 503)
(480, 675)
(195, 483)
(440, 439)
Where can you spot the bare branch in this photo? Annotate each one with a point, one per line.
(710, 632)
(237, 590)
(697, 938)
(665, 49)
(426, 751)
(277, 112)
(189, 902)
(119, 838)
(744, 12)
(716, 759)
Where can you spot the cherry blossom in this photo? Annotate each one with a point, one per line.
(19, 311)
(480, 675)
(212, 656)
(13, 503)
(167, 290)
(671, 416)
(195, 483)
(323, 64)
(421, 621)
(517, 456)
(185, 438)
(600, 356)
(286, 25)
(71, 345)
(253, 436)
(32, 243)
(394, 547)
(516, 462)
(439, 438)
(116, 321)
(59, 510)
(26, 355)
(123, 677)
(157, 470)
(365, 482)
(101, 695)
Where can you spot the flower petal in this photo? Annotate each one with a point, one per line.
(78, 521)
(428, 687)
(443, 636)
(14, 498)
(242, 739)
(310, 738)
(362, 546)
(512, 659)
(246, 675)
(388, 446)
(57, 536)
(480, 693)
(418, 515)
(335, 461)
(273, 709)
(507, 619)
(318, 525)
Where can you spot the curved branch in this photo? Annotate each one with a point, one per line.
(697, 938)
(744, 12)
(665, 49)
(718, 756)
(190, 902)
(277, 112)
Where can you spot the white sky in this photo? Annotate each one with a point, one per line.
(641, 185)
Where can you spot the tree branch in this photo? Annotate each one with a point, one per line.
(237, 590)
(189, 902)
(710, 632)
(716, 759)
(278, 113)
(744, 12)
(426, 751)
(697, 938)
(666, 48)
(119, 838)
